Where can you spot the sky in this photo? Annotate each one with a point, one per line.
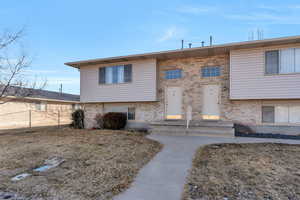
(59, 31)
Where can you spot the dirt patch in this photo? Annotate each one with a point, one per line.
(245, 171)
(98, 164)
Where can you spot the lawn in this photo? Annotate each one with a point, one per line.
(245, 171)
(98, 164)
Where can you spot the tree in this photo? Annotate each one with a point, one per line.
(13, 82)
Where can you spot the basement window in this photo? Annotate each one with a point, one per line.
(281, 114)
(128, 111)
(131, 113)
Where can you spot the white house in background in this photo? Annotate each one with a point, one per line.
(39, 108)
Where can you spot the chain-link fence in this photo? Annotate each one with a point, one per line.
(34, 118)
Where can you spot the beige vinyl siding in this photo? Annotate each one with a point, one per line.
(248, 79)
(142, 87)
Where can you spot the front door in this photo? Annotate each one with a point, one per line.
(173, 103)
(210, 109)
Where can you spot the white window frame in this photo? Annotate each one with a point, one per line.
(279, 61)
(288, 120)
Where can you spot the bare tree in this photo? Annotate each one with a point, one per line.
(13, 81)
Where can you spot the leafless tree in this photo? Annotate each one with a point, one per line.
(13, 81)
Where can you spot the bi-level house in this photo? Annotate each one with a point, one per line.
(255, 83)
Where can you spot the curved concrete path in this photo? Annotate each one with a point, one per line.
(163, 178)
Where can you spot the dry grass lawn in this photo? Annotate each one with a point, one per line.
(245, 171)
(98, 164)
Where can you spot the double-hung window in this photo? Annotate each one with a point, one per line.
(115, 74)
(284, 61)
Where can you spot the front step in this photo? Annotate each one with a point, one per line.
(196, 128)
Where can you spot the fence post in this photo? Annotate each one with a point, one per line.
(58, 118)
(29, 118)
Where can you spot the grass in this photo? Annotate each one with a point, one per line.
(98, 164)
(245, 171)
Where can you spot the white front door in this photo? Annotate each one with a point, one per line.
(210, 109)
(173, 103)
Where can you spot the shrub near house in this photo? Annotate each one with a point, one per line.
(78, 119)
(114, 121)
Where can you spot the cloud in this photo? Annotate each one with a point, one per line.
(171, 33)
(196, 10)
(267, 18)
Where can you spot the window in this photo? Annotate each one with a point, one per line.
(268, 114)
(282, 61)
(115, 74)
(210, 71)
(131, 113)
(281, 114)
(128, 111)
(272, 62)
(173, 74)
(41, 106)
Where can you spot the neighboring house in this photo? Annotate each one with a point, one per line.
(37, 108)
(256, 83)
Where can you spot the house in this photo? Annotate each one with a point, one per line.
(25, 107)
(254, 83)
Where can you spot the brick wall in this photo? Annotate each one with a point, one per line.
(243, 111)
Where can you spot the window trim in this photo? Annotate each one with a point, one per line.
(279, 55)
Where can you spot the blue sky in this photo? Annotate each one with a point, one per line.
(60, 31)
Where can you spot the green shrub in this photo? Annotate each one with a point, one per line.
(78, 119)
(99, 121)
(114, 121)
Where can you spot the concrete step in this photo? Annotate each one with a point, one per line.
(222, 129)
(195, 123)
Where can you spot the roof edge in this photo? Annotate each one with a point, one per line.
(243, 44)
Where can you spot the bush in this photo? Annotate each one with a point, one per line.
(78, 119)
(242, 128)
(99, 121)
(115, 121)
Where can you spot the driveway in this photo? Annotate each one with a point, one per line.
(164, 177)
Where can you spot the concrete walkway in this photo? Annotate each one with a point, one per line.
(164, 177)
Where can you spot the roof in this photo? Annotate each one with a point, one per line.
(40, 94)
(190, 52)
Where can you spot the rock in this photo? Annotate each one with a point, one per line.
(20, 177)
